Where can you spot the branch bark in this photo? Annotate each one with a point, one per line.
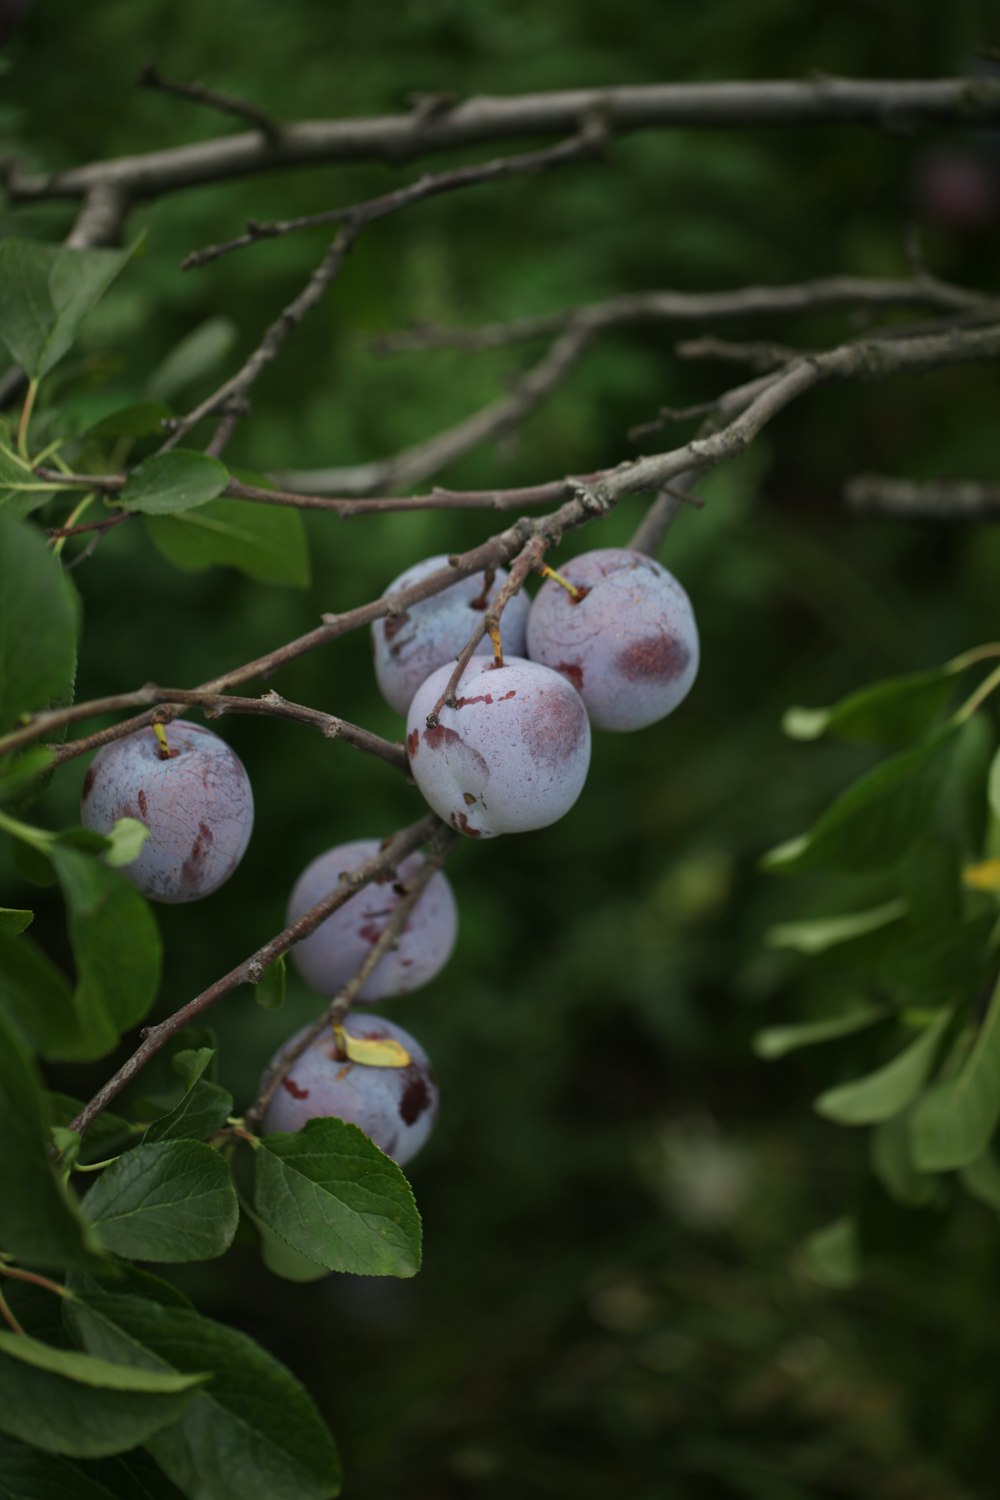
(885, 104)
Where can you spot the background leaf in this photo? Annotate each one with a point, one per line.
(37, 624)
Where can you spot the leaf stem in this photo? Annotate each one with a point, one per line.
(26, 410)
(8, 1315)
(979, 697)
(44, 1282)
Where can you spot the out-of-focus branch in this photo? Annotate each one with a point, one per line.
(421, 460)
(236, 387)
(928, 500)
(696, 307)
(252, 968)
(579, 147)
(885, 104)
(197, 93)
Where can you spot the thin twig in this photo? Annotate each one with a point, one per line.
(196, 93)
(578, 147)
(251, 969)
(668, 306)
(531, 557)
(439, 846)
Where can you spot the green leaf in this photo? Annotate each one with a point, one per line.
(981, 1178)
(40, 1224)
(29, 1474)
(196, 356)
(832, 1256)
(873, 824)
(68, 1402)
(269, 991)
(125, 840)
(993, 787)
(14, 919)
(178, 480)
(880, 1095)
(140, 419)
(45, 293)
(19, 771)
(775, 1041)
(253, 1433)
(817, 934)
(266, 542)
(333, 1196)
(116, 946)
(892, 1163)
(38, 624)
(20, 492)
(170, 1200)
(895, 711)
(281, 1260)
(932, 965)
(953, 1123)
(204, 1108)
(36, 996)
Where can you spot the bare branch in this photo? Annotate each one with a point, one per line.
(213, 705)
(641, 308)
(929, 500)
(237, 385)
(577, 148)
(196, 93)
(758, 355)
(648, 535)
(420, 461)
(440, 844)
(886, 104)
(251, 969)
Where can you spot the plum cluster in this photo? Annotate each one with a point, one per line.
(610, 643)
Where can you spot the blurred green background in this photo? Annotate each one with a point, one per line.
(613, 1298)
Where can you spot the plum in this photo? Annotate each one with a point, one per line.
(395, 1107)
(197, 804)
(328, 957)
(511, 755)
(409, 647)
(627, 640)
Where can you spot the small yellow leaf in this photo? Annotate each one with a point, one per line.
(984, 877)
(376, 1052)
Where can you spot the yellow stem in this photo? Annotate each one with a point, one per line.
(979, 697)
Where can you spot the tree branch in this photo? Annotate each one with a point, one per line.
(196, 93)
(696, 307)
(756, 404)
(577, 148)
(885, 104)
(251, 969)
(929, 500)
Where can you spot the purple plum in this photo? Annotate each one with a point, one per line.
(395, 1107)
(328, 957)
(627, 642)
(410, 646)
(197, 804)
(512, 754)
